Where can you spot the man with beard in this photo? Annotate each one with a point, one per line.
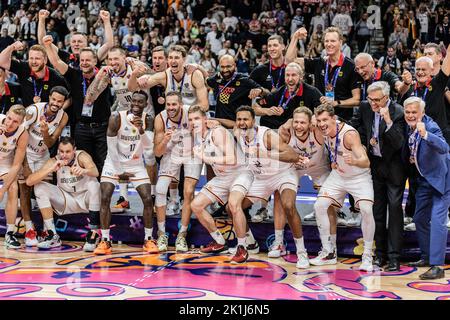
(217, 147)
(76, 191)
(176, 78)
(13, 139)
(117, 74)
(78, 40)
(173, 141)
(365, 66)
(35, 78)
(44, 122)
(89, 132)
(127, 139)
(350, 174)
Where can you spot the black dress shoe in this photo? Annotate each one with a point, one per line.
(419, 264)
(379, 261)
(393, 266)
(433, 273)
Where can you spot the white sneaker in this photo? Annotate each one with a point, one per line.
(302, 260)
(52, 240)
(252, 248)
(310, 216)
(277, 250)
(324, 258)
(92, 239)
(407, 220)
(366, 264)
(162, 241)
(11, 241)
(260, 215)
(355, 220)
(181, 243)
(173, 208)
(31, 238)
(410, 227)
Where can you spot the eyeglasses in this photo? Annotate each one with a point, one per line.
(362, 67)
(375, 100)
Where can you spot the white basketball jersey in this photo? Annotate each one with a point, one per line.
(69, 182)
(184, 86)
(258, 156)
(123, 95)
(129, 141)
(179, 148)
(36, 146)
(311, 148)
(8, 145)
(344, 169)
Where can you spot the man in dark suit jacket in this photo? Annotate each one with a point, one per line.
(380, 123)
(427, 151)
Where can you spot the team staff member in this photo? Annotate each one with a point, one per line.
(232, 89)
(35, 77)
(10, 93)
(335, 77)
(89, 132)
(278, 107)
(270, 75)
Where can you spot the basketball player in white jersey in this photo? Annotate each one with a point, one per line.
(13, 144)
(232, 180)
(117, 73)
(173, 141)
(76, 191)
(307, 141)
(271, 161)
(45, 123)
(127, 140)
(350, 174)
(176, 78)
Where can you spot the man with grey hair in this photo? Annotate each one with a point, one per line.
(369, 73)
(380, 124)
(426, 153)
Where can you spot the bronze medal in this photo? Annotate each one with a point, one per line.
(36, 99)
(373, 141)
(161, 100)
(334, 166)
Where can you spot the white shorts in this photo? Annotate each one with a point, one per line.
(35, 164)
(318, 175)
(264, 186)
(192, 169)
(336, 187)
(51, 196)
(220, 187)
(139, 171)
(149, 156)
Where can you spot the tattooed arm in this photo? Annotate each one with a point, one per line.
(97, 86)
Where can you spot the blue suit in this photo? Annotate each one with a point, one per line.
(433, 192)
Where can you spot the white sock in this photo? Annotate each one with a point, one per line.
(368, 247)
(124, 190)
(250, 238)
(183, 229)
(50, 225)
(326, 243)
(10, 227)
(28, 225)
(162, 226)
(333, 240)
(105, 234)
(153, 187)
(279, 236)
(299, 244)
(241, 242)
(148, 233)
(173, 195)
(218, 237)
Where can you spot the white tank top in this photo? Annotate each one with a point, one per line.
(36, 146)
(8, 145)
(258, 157)
(343, 169)
(69, 182)
(123, 95)
(311, 148)
(179, 148)
(129, 141)
(211, 149)
(185, 87)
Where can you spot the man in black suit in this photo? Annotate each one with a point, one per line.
(380, 123)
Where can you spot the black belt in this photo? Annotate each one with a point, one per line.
(93, 124)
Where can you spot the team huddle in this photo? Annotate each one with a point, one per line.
(161, 123)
